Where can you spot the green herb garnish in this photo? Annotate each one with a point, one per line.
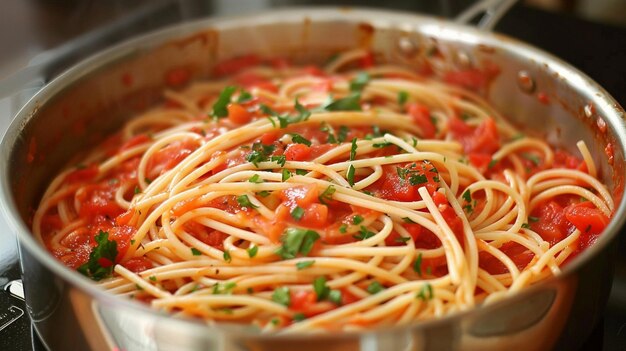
(220, 107)
(101, 259)
(296, 240)
(244, 201)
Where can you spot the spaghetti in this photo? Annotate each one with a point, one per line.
(297, 198)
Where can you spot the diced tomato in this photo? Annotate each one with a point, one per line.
(313, 71)
(480, 161)
(172, 154)
(279, 62)
(177, 77)
(472, 79)
(565, 160)
(226, 203)
(448, 214)
(134, 141)
(137, 264)
(392, 187)
(238, 114)
(83, 174)
(185, 206)
(415, 230)
(302, 195)
(484, 139)
(421, 116)
(367, 61)
(315, 216)
(235, 65)
(302, 300)
(297, 152)
(268, 138)
(124, 218)
(251, 79)
(551, 223)
(306, 197)
(324, 86)
(208, 236)
(586, 217)
(519, 254)
(100, 202)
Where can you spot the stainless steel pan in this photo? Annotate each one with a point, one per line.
(90, 100)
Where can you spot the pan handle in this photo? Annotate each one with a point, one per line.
(491, 10)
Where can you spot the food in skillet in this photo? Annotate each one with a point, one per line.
(338, 198)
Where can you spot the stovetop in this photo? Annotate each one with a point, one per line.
(596, 49)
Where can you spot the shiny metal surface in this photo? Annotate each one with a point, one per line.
(69, 312)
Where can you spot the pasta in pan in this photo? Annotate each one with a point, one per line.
(297, 198)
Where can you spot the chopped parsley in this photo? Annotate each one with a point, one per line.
(299, 139)
(327, 195)
(321, 289)
(285, 119)
(532, 219)
(223, 289)
(252, 251)
(357, 219)
(282, 296)
(244, 96)
(382, 145)
(296, 240)
(297, 213)
(343, 229)
(492, 163)
(425, 293)
(195, 252)
(418, 178)
(286, 174)
(359, 82)
(263, 193)
(301, 171)
(101, 259)
(532, 158)
(255, 179)
(244, 201)
(137, 190)
(332, 138)
(363, 234)
(375, 287)
(220, 107)
(526, 226)
(403, 96)
(304, 264)
(469, 204)
(348, 103)
(335, 297)
(226, 256)
(350, 175)
(152, 278)
(260, 153)
(417, 265)
(280, 160)
(299, 317)
(353, 150)
(408, 220)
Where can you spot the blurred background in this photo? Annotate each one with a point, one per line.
(44, 37)
(28, 27)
